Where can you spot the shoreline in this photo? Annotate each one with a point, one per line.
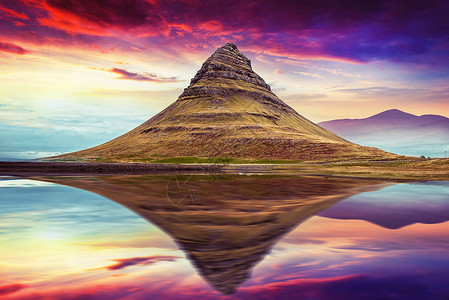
(64, 168)
(389, 171)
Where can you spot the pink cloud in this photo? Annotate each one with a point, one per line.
(127, 262)
(11, 288)
(13, 14)
(124, 74)
(12, 48)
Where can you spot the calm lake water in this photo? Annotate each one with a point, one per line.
(222, 237)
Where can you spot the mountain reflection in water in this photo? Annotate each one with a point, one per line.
(62, 241)
(225, 224)
(426, 203)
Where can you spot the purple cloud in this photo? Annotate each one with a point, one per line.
(124, 74)
(406, 32)
(12, 48)
(359, 286)
(148, 260)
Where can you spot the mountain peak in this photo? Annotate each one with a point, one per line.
(229, 53)
(230, 45)
(394, 110)
(227, 61)
(392, 114)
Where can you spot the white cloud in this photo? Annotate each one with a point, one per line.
(19, 155)
(314, 75)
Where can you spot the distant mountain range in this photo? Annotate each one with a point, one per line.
(397, 131)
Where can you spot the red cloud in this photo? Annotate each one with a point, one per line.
(12, 13)
(310, 282)
(102, 18)
(353, 32)
(12, 48)
(11, 288)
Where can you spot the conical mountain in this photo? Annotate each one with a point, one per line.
(225, 225)
(228, 111)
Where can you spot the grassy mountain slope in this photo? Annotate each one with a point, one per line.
(228, 111)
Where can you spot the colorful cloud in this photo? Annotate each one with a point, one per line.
(124, 74)
(12, 48)
(11, 288)
(343, 287)
(101, 18)
(353, 31)
(127, 262)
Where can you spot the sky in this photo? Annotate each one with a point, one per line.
(58, 242)
(78, 73)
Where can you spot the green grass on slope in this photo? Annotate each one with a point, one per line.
(215, 160)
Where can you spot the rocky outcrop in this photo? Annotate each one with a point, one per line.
(228, 62)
